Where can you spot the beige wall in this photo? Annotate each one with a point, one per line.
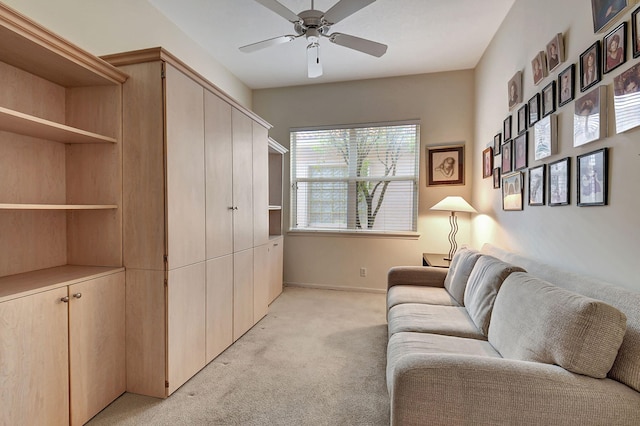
(599, 241)
(444, 105)
(111, 26)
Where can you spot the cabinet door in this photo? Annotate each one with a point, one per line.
(219, 172)
(219, 327)
(34, 360)
(242, 181)
(242, 293)
(96, 345)
(185, 169)
(186, 324)
(260, 281)
(260, 185)
(276, 258)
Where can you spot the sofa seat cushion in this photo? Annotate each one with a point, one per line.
(411, 343)
(484, 282)
(534, 320)
(461, 266)
(418, 317)
(399, 294)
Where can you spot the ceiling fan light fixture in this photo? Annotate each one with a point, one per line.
(314, 66)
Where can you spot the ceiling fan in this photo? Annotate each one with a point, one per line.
(313, 24)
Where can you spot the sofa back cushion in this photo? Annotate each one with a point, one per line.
(484, 282)
(461, 266)
(534, 320)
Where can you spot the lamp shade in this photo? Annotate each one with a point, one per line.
(454, 204)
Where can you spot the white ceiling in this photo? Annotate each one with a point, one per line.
(423, 36)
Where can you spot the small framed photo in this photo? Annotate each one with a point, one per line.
(590, 117)
(536, 185)
(522, 119)
(605, 12)
(635, 32)
(497, 143)
(445, 165)
(592, 178)
(515, 89)
(549, 98)
(496, 178)
(487, 162)
(520, 152)
(539, 67)
(566, 85)
(559, 182)
(555, 52)
(590, 66)
(512, 192)
(534, 109)
(545, 137)
(626, 99)
(506, 157)
(506, 129)
(615, 45)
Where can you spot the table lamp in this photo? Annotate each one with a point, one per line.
(453, 204)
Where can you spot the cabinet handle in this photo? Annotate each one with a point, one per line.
(65, 299)
(233, 208)
(275, 244)
(77, 295)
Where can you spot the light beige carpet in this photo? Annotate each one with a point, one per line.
(318, 358)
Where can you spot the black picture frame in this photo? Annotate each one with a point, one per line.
(590, 66)
(506, 129)
(617, 39)
(533, 105)
(497, 143)
(559, 182)
(496, 178)
(605, 12)
(566, 85)
(512, 189)
(507, 163)
(537, 180)
(522, 119)
(592, 176)
(635, 32)
(445, 165)
(549, 98)
(519, 154)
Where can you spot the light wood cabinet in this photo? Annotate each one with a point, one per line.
(276, 260)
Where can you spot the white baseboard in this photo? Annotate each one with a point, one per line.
(338, 288)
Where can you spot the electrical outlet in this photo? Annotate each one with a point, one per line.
(363, 272)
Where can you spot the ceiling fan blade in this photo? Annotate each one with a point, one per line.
(363, 45)
(344, 8)
(267, 43)
(280, 9)
(314, 67)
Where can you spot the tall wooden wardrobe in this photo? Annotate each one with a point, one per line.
(196, 220)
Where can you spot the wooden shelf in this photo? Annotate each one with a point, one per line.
(27, 125)
(57, 206)
(21, 285)
(275, 208)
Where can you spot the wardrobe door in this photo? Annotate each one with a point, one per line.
(242, 181)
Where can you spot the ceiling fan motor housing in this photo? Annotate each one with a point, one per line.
(312, 25)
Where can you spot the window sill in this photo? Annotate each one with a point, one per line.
(353, 234)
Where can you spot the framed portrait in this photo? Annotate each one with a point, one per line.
(512, 191)
(590, 66)
(445, 165)
(497, 143)
(545, 137)
(539, 67)
(555, 52)
(592, 178)
(559, 182)
(506, 129)
(520, 152)
(522, 119)
(566, 85)
(496, 178)
(635, 32)
(626, 99)
(605, 12)
(506, 157)
(549, 98)
(590, 117)
(533, 105)
(536, 185)
(514, 90)
(615, 48)
(487, 162)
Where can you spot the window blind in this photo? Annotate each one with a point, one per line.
(356, 178)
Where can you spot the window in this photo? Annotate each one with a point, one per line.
(355, 179)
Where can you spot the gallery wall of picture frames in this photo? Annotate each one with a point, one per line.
(535, 121)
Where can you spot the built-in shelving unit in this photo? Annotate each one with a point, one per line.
(276, 164)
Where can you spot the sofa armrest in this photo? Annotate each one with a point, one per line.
(416, 275)
(439, 389)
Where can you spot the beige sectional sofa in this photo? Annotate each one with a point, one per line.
(500, 339)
